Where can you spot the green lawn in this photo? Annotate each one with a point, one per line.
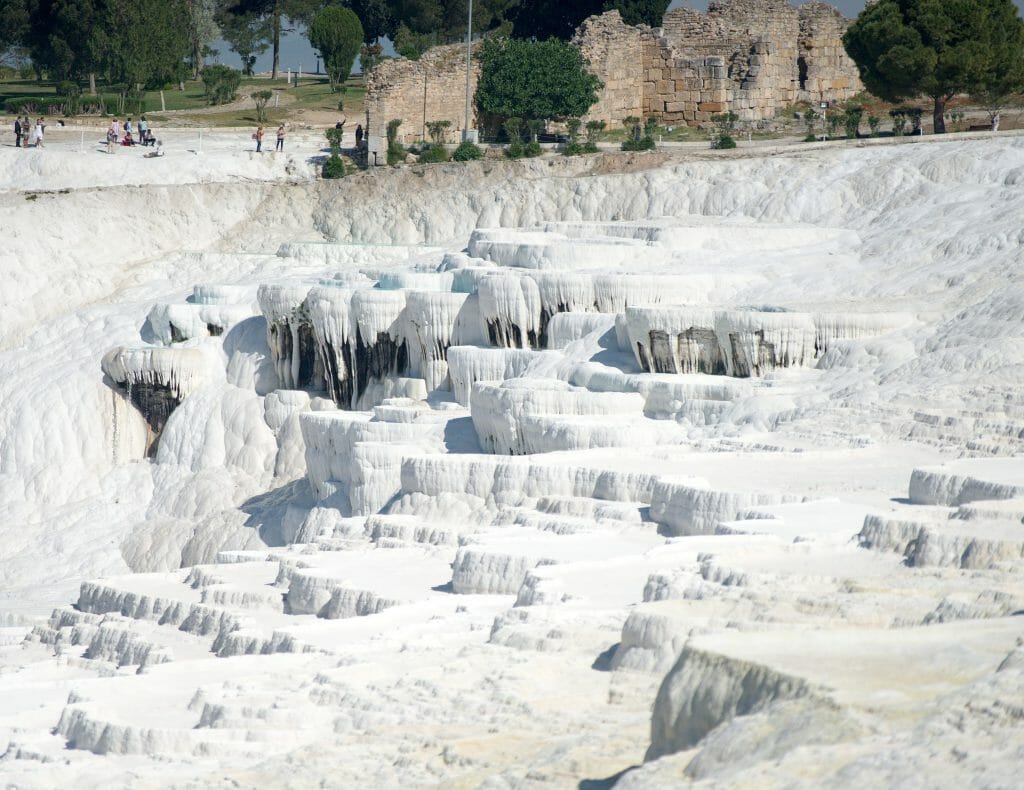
(313, 93)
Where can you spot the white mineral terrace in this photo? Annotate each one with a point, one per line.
(572, 472)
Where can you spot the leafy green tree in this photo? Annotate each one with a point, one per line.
(260, 98)
(534, 80)
(221, 83)
(638, 12)
(377, 19)
(337, 34)
(543, 19)
(65, 37)
(202, 31)
(248, 36)
(275, 13)
(14, 24)
(144, 42)
(936, 48)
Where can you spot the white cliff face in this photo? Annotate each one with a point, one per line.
(704, 471)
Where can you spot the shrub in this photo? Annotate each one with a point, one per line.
(221, 83)
(851, 120)
(899, 121)
(71, 93)
(572, 149)
(261, 98)
(724, 141)
(334, 167)
(515, 150)
(334, 136)
(643, 144)
(532, 149)
(811, 137)
(396, 151)
(835, 120)
(594, 128)
(467, 151)
(433, 154)
(874, 123)
(437, 129)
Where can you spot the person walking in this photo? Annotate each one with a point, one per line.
(258, 137)
(111, 140)
(17, 132)
(143, 130)
(116, 126)
(280, 139)
(26, 132)
(37, 133)
(359, 134)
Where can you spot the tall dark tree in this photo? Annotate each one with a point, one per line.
(376, 18)
(144, 41)
(639, 12)
(275, 12)
(534, 80)
(247, 35)
(541, 19)
(64, 37)
(13, 24)
(936, 48)
(336, 33)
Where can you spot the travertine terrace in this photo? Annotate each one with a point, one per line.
(642, 471)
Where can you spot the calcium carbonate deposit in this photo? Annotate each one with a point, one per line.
(632, 471)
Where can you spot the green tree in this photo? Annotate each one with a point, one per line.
(260, 98)
(337, 34)
(248, 36)
(14, 24)
(377, 19)
(534, 80)
(542, 19)
(221, 83)
(936, 48)
(274, 13)
(202, 31)
(144, 42)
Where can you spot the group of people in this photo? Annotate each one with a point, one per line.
(115, 136)
(25, 133)
(258, 137)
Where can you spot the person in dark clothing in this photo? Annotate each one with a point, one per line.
(17, 132)
(359, 134)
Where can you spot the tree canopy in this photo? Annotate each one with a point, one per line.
(938, 48)
(534, 79)
(337, 34)
(542, 19)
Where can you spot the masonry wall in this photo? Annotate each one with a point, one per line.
(751, 57)
(395, 89)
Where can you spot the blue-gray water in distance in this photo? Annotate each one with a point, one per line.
(297, 53)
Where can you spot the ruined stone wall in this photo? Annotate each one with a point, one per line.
(612, 49)
(395, 89)
(751, 57)
(825, 70)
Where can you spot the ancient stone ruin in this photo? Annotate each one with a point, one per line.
(751, 57)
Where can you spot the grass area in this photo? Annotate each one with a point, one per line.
(190, 105)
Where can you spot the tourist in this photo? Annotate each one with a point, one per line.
(128, 141)
(995, 122)
(258, 137)
(128, 126)
(26, 132)
(17, 132)
(359, 134)
(37, 133)
(280, 138)
(143, 130)
(116, 126)
(111, 140)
